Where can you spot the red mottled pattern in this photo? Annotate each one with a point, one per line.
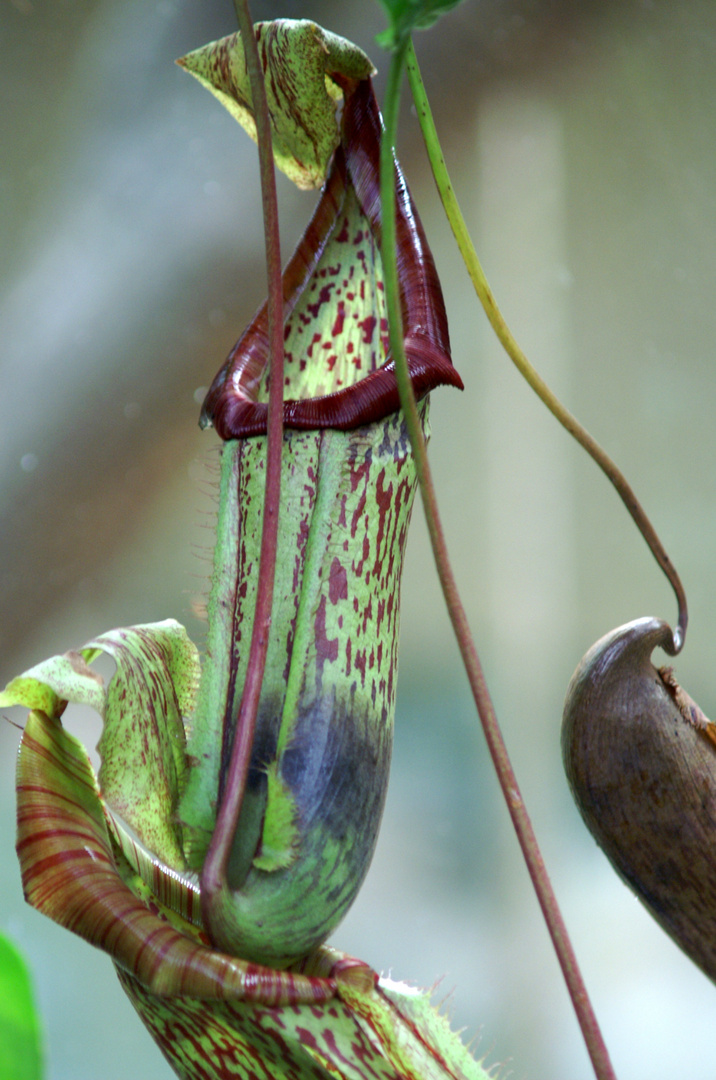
(321, 282)
(365, 557)
(301, 62)
(331, 669)
(338, 331)
(142, 750)
(219, 1041)
(236, 586)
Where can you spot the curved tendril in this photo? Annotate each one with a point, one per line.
(517, 356)
(498, 751)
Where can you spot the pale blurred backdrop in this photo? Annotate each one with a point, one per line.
(582, 139)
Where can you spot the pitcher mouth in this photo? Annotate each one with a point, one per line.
(236, 403)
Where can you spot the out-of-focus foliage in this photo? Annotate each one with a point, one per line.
(408, 15)
(20, 1053)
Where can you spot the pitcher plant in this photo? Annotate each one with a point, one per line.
(239, 797)
(117, 858)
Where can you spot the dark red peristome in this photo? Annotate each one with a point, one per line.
(230, 404)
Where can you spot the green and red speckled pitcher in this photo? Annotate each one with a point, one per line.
(116, 858)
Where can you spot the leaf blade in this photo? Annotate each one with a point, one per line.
(409, 15)
(48, 686)
(301, 61)
(20, 1043)
(142, 746)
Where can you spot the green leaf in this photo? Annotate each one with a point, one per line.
(50, 685)
(20, 1053)
(303, 64)
(408, 15)
(280, 835)
(143, 744)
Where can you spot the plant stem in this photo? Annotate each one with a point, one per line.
(515, 353)
(495, 742)
(213, 876)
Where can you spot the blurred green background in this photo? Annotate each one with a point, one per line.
(582, 141)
